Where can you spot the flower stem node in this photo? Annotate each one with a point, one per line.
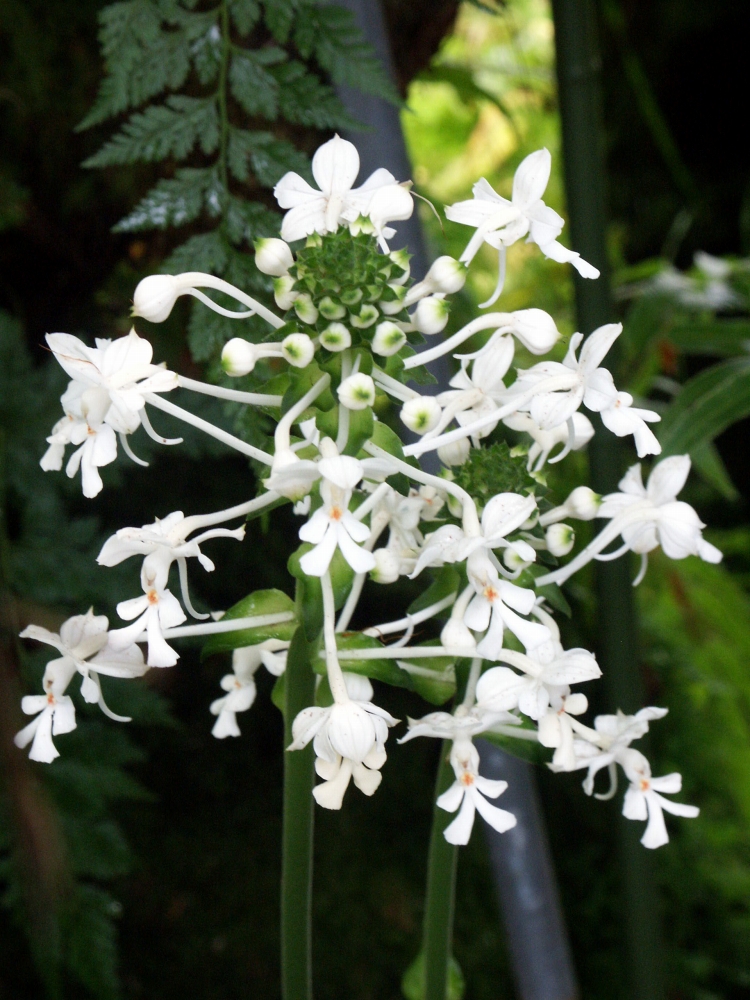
(388, 340)
(298, 349)
(273, 256)
(431, 315)
(560, 539)
(238, 357)
(331, 309)
(357, 392)
(336, 337)
(422, 414)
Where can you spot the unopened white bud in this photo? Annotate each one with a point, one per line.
(513, 560)
(239, 357)
(401, 259)
(535, 329)
(357, 392)
(456, 635)
(273, 256)
(367, 315)
(283, 292)
(583, 503)
(560, 539)
(397, 304)
(336, 337)
(305, 308)
(298, 349)
(386, 567)
(431, 315)
(446, 275)
(155, 297)
(576, 703)
(421, 414)
(388, 339)
(330, 309)
(455, 453)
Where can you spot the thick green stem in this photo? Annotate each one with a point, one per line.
(578, 72)
(297, 835)
(441, 892)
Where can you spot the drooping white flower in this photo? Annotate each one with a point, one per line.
(473, 396)
(674, 525)
(644, 799)
(153, 612)
(84, 648)
(500, 222)
(615, 734)
(240, 684)
(546, 441)
(82, 426)
(54, 710)
(122, 368)
(333, 525)
(494, 607)
(349, 742)
(470, 791)
(162, 543)
(335, 166)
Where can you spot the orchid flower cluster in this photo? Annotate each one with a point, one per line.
(334, 371)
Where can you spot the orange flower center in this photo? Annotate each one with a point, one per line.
(153, 597)
(336, 513)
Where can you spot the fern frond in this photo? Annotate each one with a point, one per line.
(176, 202)
(332, 36)
(305, 100)
(254, 88)
(245, 14)
(164, 130)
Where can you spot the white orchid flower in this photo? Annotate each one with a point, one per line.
(646, 517)
(500, 222)
(83, 641)
(438, 548)
(333, 525)
(494, 607)
(349, 742)
(335, 166)
(546, 441)
(157, 609)
(54, 710)
(240, 684)
(82, 426)
(162, 543)
(644, 799)
(470, 791)
(473, 396)
(614, 734)
(122, 368)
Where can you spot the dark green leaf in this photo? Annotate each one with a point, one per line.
(719, 337)
(380, 670)
(255, 89)
(708, 404)
(261, 602)
(447, 581)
